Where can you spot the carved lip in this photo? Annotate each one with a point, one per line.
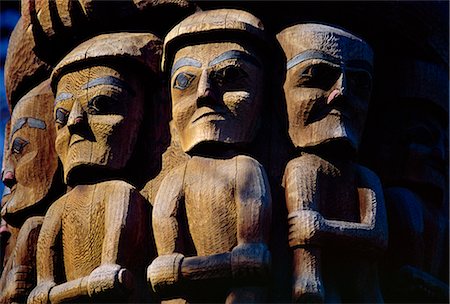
(207, 112)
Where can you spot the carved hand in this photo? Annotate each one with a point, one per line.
(40, 294)
(110, 277)
(306, 227)
(19, 282)
(164, 272)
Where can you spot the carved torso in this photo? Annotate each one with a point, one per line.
(83, 229)
(211, 211)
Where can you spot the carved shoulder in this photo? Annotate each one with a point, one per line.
(169, 192)
(250, 173)
(254, 202)
(305, 165)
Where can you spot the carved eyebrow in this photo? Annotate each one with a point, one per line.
(316, 54)
(32, 123)
(234, 54)
(109, 80)
(311, 54)
(62, 96)
(18, 125)
(185, 61)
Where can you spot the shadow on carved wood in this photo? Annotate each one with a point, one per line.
(337, 221)
(212, 214)
(30, 171)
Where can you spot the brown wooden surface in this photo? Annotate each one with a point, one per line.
(208, 144)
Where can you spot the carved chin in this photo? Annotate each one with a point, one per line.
(87, 154)
(22, 198)
(331, 128)
(216, 131)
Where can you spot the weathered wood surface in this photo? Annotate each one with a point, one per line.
(240, 117)
(24, 69)
(216, 206)
(102, 232)
(100, 228)
(331, 201)
(30, 171)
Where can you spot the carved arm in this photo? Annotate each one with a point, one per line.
(370, 234)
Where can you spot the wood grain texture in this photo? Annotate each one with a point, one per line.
(30, 162)
(20, 277)
(97, 226)
(331, 200)
(211, 170)
(212, 213)
(30, 171)
(61, 25)
(24, 69)
(225, 227)
(101, 109)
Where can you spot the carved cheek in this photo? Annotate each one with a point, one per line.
(107, 128)
(183, 109)
(62, 143)
(26, 166)
(241, 103)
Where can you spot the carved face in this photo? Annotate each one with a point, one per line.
(328, 84)
(98, 111)
(216, 93)
(30, 160)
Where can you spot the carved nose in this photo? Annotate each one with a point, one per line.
(8, 178)
(340, 89)
(76, 116)
(205, 92)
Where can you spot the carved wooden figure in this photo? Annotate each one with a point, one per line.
(336, 211)
(212, 214)
(100, 227)
(7, 233)
(30, 172)
(411, 159)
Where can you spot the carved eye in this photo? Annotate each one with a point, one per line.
(18, 145)
(103, 104)
(320, 76)
(183, 80)
(228, 75)
(61, 116)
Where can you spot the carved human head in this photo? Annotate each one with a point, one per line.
(30, 160)
(99, 106)
(214, 61)
(328, 84)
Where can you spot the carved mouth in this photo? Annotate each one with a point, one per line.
(212, 114)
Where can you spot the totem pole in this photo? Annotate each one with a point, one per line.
(100, 228)
(337, 220)
(212, 215)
